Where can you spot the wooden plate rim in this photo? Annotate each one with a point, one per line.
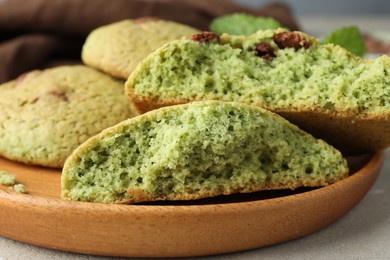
(375, 162)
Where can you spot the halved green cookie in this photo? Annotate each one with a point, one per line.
(198, 150)
(324, 89)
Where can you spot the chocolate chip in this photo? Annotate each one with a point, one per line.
(291, 40)
(35, 100)
(264, 50)
(204, 37)
(60, 95)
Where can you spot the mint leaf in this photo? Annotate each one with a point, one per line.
(242, 24)
(349, 38)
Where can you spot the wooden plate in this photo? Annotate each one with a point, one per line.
(220, 225)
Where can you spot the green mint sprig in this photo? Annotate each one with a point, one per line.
(348, 37)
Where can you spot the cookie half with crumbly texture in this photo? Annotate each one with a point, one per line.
(46, 114)
(118, 48)
(198, 150)
(324, 89)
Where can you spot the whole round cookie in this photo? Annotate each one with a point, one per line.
(117, 48)
(46, 114)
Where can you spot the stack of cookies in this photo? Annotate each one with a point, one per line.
(200, 114)
(47, 114)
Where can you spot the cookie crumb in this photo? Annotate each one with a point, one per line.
(19, 188)
(7, 178)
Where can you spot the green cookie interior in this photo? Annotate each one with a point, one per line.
(198, 150)
(319, 76)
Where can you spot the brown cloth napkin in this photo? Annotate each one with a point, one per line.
(36, 34)
(376, 46)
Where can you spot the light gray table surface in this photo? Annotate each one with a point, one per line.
(363, 233)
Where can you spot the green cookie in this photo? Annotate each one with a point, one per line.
(202, 149)
(324, 89)
(242, 24)
(118, 48)
(46, 114)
